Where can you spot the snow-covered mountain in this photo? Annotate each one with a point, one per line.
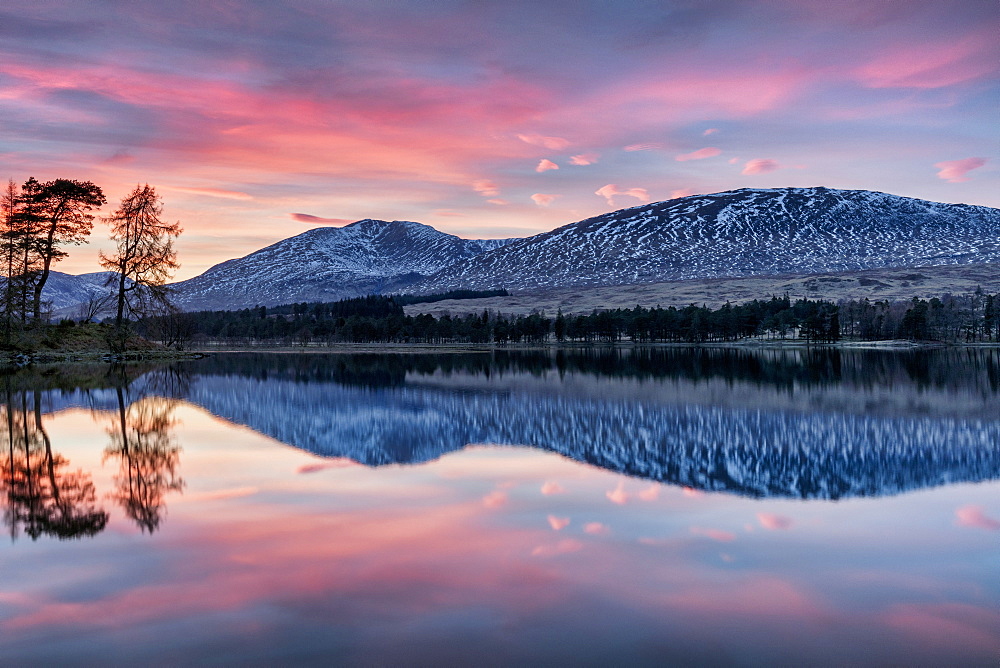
(736, 233)
(329, 263)
(64, 291)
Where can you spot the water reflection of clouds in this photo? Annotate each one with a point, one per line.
(714, 534)
(774, 522)
(975, 516)
(341, 560)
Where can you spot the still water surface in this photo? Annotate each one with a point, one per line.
(608, 507)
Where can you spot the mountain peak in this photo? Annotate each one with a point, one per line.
(742, 232)
(368, 256)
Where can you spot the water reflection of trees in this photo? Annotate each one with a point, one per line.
(143, 443)
(43, 497)
(964, 369)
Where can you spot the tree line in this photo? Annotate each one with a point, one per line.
(969, 318)
(38, 220)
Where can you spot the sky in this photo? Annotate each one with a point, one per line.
(257, 121)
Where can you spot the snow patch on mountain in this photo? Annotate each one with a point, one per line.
(736, 233)
(330, 263)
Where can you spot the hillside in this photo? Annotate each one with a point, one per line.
(327, 264)
(736, 233)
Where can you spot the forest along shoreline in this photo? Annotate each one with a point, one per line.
(380, 322)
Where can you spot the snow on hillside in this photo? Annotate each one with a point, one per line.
(329, 263)
(736, 233)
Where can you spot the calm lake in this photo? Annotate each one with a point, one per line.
(598, 507)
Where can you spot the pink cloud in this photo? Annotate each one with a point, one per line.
(714, 534)
(646, 146)
(760, 166)
(545, 165)
(692, 492)
(551, 143)
(700, 154)
(733, 161)
(542, 199)
(558, 523)
(448, 213)
(973, 516)
(498, 202)
(709, 131)
(551, 487)
(954, 171)
(681, 192)
(562, 547)
(610, 191)
(618, 495)
(596, 528)
(495, 499)
(213, 192)
(486, 188)
(584, 159)
(774, 522)
(317, 220)
(931, 65)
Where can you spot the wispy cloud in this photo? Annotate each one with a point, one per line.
(318, 220)
(700, 154)
(642, 146)
(543, 199)
(955, 171)
(213, 192)
(551, 143)
(611, 191)
(486, 188)
(760, 166)
(584, 159)
(546, 165)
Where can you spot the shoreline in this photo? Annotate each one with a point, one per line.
(444, 348)
(23, 359)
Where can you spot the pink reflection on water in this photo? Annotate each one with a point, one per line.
(714, 534)
(974, 516)
(558, 523)
(618, 495)
(774, 522)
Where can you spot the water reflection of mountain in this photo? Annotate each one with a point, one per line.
(738, 449)
(802, 424)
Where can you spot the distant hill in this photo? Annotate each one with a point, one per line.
(329, 263)
(66, 291)
(736, 233)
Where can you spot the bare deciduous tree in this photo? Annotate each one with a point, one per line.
(144, 259)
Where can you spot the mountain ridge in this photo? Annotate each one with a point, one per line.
(749, 232)
(746, 232)
(329, 263)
